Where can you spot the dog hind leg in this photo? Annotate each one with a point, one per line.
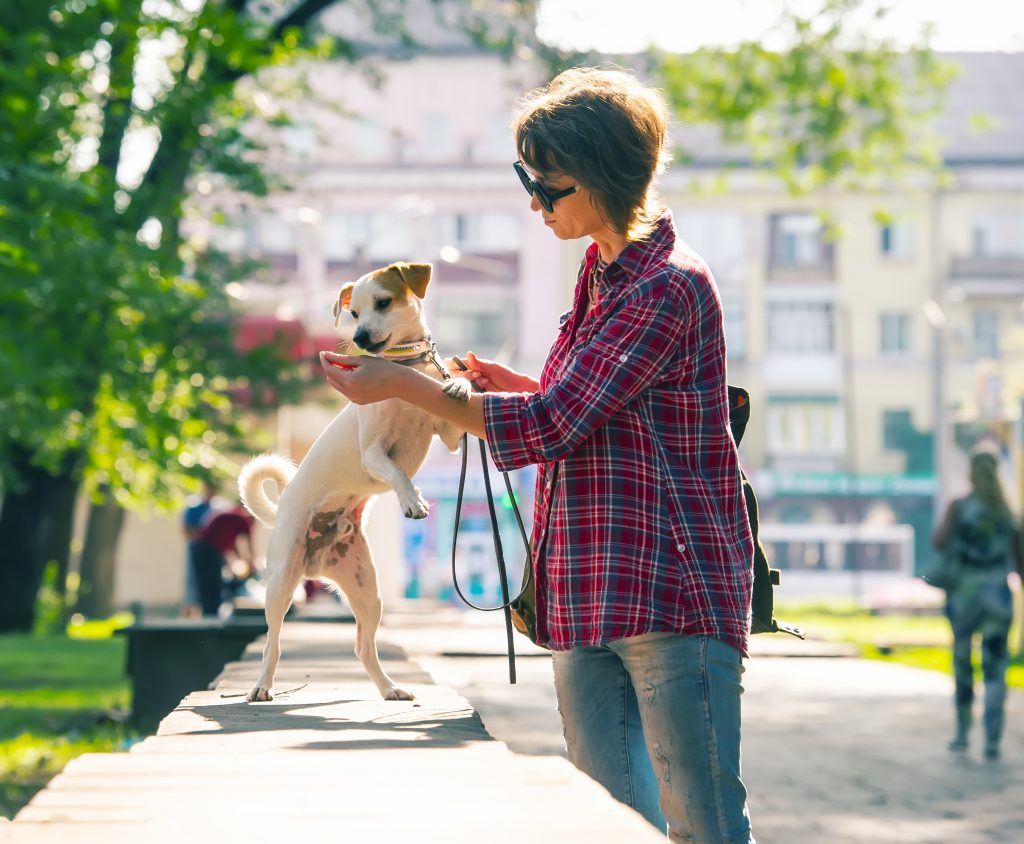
(355, 575)
(280, 590)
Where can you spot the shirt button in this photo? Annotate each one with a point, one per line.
(681, 547)
(623, 358)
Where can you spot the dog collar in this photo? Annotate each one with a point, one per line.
(420, 351)
(407, 350)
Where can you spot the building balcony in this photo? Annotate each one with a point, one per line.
(802, 371)
(780, 272)
(988, 276)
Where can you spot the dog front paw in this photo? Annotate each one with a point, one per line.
(457, 389)
(258, 693)
(415, 507)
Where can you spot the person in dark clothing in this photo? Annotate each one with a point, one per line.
(228, 532)
(980, 529)
(196, 512)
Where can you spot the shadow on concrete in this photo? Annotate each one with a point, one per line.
(406, 727)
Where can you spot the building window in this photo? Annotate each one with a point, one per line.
(735, 318)
(895, 333)
(998, 234)
(895, 425)
(811, 426)
(795, 327)
(485, 323)
(896, 241)
(985, 334)
(437, 141)
(798, 243)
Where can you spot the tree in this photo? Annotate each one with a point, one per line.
(116, 351)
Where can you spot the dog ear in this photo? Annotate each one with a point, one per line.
(342, 302)
(415, 276)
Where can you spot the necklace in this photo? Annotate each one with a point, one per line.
(594, 281)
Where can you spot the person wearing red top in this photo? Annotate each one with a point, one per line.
(222, 533)
(642, 553)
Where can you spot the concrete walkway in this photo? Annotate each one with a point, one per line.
(327, 761)
(835, 748)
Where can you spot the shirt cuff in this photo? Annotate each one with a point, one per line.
(505, 425)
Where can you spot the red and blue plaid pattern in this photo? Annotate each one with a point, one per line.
(642, 527)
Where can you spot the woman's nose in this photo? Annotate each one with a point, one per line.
(534, 203)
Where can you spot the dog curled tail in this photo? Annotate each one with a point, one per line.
(255, 473)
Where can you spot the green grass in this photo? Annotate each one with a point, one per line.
(59, 697)
(919, 641)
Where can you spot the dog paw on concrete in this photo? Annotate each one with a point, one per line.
(399, 694)
(259, 694)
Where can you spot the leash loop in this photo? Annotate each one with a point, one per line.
(506, 602)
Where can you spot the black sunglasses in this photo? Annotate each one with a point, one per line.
(534, 188)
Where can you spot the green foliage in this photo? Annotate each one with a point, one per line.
(57, 699)
(115, 340)
(832, 108)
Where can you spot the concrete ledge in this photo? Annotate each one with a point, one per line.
(328, 758)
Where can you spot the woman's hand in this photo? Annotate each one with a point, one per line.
(363, 379)
(493, 377)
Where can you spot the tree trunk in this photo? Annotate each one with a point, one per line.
(35, 527)
(99, 557)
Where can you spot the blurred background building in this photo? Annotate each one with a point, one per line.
(877, 348)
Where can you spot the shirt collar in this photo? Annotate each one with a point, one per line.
(638, 255)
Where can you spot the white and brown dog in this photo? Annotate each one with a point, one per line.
(366, 450)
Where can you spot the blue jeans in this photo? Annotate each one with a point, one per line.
(665, 699)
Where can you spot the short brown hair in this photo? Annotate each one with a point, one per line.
(606, 129)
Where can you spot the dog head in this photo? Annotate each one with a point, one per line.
(387, 305)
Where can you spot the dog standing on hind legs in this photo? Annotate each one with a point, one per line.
(367, 449)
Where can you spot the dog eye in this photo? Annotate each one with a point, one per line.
(382, 304)
(354, 315)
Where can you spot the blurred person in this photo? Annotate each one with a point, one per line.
(980, 529)
(227, 532)
(197, 509)
(642, 552)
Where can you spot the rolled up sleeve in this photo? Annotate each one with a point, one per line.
(627, 354)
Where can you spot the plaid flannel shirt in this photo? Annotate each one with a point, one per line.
(639, 520)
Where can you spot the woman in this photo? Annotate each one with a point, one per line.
(641, 547)
(981, 531)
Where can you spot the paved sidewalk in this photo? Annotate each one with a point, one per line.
(327, 761)
(835, 749)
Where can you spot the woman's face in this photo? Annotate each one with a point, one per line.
(572, 216)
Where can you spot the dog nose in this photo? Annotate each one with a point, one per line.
(361, 338)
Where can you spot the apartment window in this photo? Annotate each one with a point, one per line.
(985, 334)
(272, 234)
(795, 327)
(895, 333)
(437, 141)
(344, 234)
(735, 318)
(896, 241)
(811, 425)
(485, 232)
(798, 241)
(720, 238)
(895, 426)
(998, 234)
(485, 323)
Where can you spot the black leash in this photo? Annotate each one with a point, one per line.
(506, 603)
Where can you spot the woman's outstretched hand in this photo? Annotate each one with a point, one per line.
(491, 376)
(363, 379)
